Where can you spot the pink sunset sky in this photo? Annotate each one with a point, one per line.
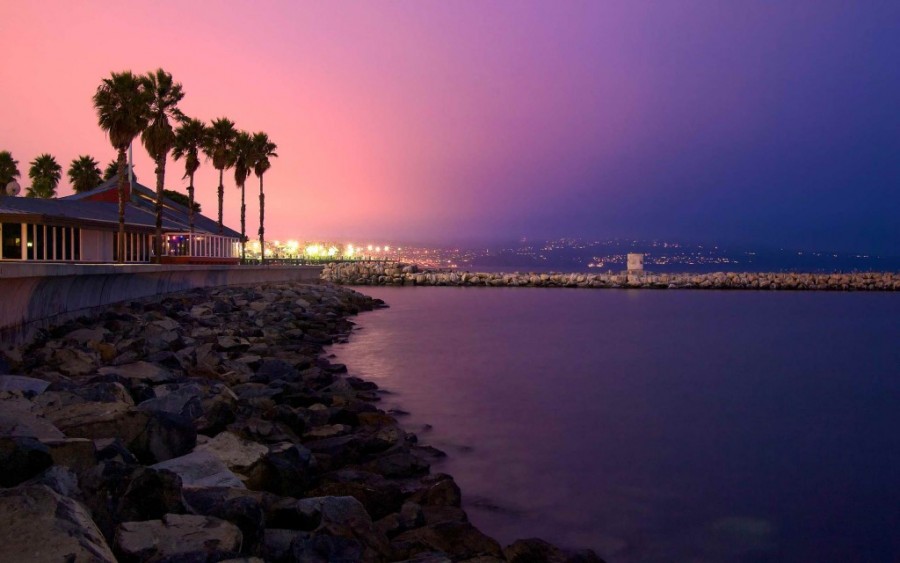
(433, 121)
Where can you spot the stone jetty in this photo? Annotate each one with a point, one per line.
(207, 426)
(399, 273)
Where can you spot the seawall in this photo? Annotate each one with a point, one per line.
(37, 295)
(399, 273)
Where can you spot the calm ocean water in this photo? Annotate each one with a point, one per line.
(655, 425)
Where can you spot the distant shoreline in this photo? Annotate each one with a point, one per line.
(404, 274)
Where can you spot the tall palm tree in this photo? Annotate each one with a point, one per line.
(159, 136)
(189, 140)
(9, 170)
(84, 173)
(243, 167)
(122, 103)
(219, 147)
(45, 173)
(263, 149)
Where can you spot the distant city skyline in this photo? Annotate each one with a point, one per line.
(754, 124)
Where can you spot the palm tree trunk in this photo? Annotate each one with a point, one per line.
(221, 200)
(243, 223)
(191, 199)
(262, 216)
(123, 181)
(160, 180)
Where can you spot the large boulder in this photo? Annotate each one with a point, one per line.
(242, 507)
(166, 436)
(287, 470)
(29, 385)
(17, 418)
(459, 540)
(378, 495)
(238, 454)
(201, 469)
(116, 492)
(144, 372)
(178, 537)
(151, 436)
(343, 528)
(535, 550)
(95, 420)
(38, 525)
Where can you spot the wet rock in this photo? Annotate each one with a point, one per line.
(324, 548)
(140, 371)
(178, 537)
(201, 469)
(287, 469)
(166, 436)
(401, 464)
(459, 540)
(28, 385)
(437, 490)
(99, 420)
(75, 453)
(38, 524)
(344, 518)
(241, 507)
(115, 492)
(273, 369)
(378, 495)
(184, 401)
(17, 419)
(86, 336)
(104, 392)
(535, 550)
(238, 454)
(60, 479)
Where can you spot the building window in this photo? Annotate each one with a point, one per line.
(12, 241)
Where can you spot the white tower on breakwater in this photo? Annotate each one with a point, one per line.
(635, 262)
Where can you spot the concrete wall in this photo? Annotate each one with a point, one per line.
(35, 295)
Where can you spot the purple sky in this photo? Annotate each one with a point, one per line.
(770, 123)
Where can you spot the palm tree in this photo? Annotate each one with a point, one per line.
(111, 170)
(263, 149)
(159, 136)
(9, 170)
(84, 173)
(219, 147)
(45, 173)
(122, 103)
(243, 163)
(189, 140)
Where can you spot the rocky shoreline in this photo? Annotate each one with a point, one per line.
(400, 273)
(208, 426)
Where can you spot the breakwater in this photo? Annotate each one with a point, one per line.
(399, 273)
(207, 425)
